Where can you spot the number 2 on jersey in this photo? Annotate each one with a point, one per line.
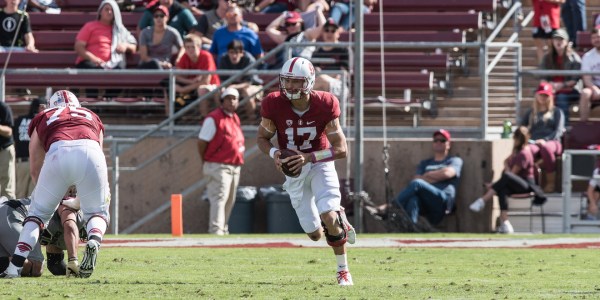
(306, 133)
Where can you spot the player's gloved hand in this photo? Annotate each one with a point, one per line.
(73, 267)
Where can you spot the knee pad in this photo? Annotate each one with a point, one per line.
(336, 240)
(4, 261)
(35, 220)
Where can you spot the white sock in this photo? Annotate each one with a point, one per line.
(342, 262)
(27, 239)
(96, 226)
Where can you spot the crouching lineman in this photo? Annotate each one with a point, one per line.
(65, 150)
(306, 121)
(62, 234)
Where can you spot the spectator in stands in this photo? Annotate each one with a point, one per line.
(245, 5)
(180, 17)
(343, 14)
(593, 194)
(7, 152)
(591, 83)
(546, 19)
(573, 15)
(432, 191)
(235, 31)
(9, 18)
(238, 59)
(546, 125)
(158, 42)
(48, 6)
(199, 7)
(215, 19)
(195, 58)
(102, 44)
(294, 31)
(275, 6)
(337, 60)
(24, 183)
(562, 57)
(517, 178)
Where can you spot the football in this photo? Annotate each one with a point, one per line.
(285, 153)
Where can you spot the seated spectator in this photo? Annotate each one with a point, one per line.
(546, 125)
(158, 42)
(338, 55)
(245, 5)
(102, 43)
(517, 178)
(180, 17)
(591, 83)
(198, 7)
(24, 40)
(432, 191)
(562, 57)
(235, 31)
(48, 6)
(294, 31)
(215, 19)
(195, 58)
(593, 194)
(343, 14)
(275, 6)
(238, 59)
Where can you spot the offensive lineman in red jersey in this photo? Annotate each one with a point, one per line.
(306, 121)
(65, 149)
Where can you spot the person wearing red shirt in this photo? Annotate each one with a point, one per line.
(546, 19)
(195, 58)
(307, 122)
(221, 148)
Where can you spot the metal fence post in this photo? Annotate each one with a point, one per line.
(114, 219)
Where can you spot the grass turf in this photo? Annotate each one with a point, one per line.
(294, 273)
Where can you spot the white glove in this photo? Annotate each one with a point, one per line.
(72, 202)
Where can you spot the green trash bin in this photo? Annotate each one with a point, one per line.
(242, 215)
(281, 216)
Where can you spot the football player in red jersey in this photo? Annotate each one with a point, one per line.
(306, 121)
(65, 150)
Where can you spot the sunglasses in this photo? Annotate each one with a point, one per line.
(440, 140)
(231, 14)
(290, 24)
(159, 16)
(329, 30)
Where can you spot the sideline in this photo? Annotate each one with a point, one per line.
(261, 242)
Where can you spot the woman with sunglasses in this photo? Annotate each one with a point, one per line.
(517, 178)
(158, 42)
(294, 31)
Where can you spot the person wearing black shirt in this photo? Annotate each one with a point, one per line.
(331, 58)
(238, 59)
(24, 184)
(9, 18)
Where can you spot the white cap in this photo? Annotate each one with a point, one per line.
(230, 92)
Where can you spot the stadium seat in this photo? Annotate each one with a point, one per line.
(74, 20)
(50, 59)
(410, 36)
(584, 41)
(83, 80)
(439, 5)
(442, 21)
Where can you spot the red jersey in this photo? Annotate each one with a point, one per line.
(66, 123)
(304, 132)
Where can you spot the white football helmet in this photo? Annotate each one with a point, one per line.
(63, 98)
(297, 68)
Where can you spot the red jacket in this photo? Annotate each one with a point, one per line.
(227, 146)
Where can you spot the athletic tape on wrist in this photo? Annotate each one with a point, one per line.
(272, 152)
(322, 155)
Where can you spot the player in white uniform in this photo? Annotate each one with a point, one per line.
(65, 150)
(306, 121)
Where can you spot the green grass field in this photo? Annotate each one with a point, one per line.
(300, 273)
